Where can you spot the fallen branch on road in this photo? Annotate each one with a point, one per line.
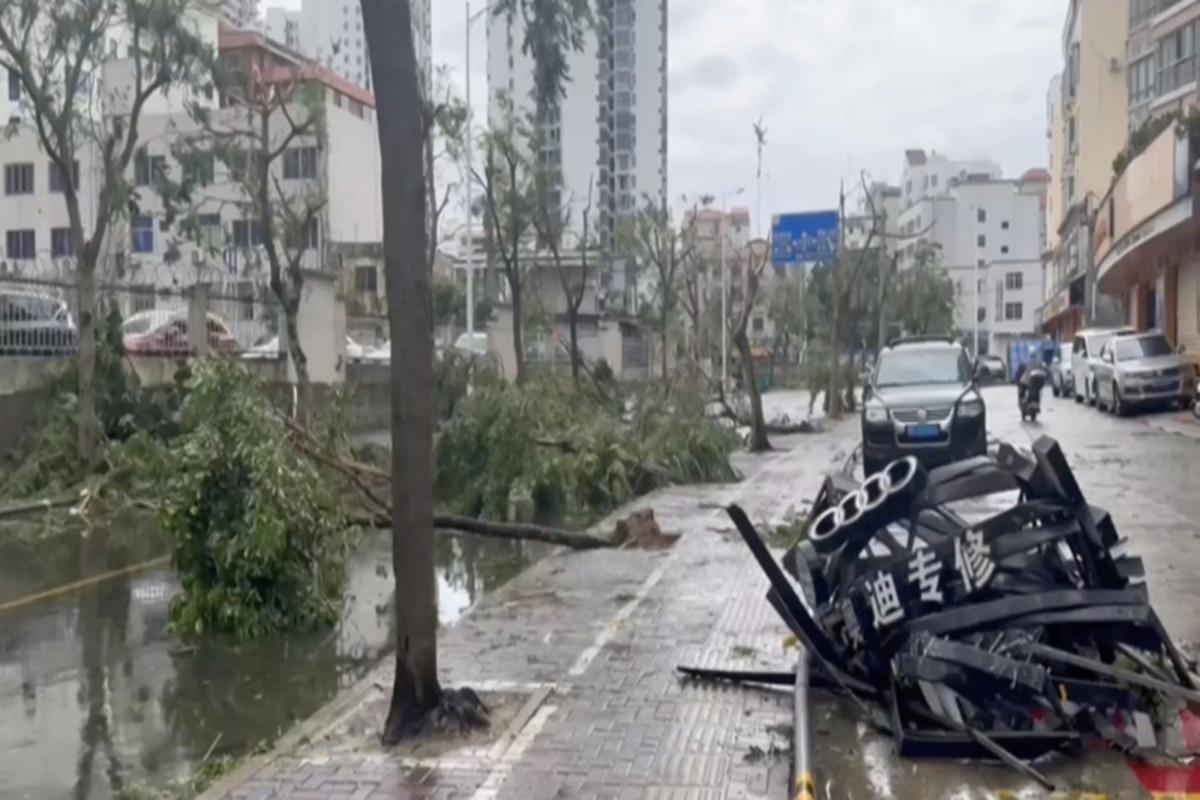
(500, 530)
(36, 506)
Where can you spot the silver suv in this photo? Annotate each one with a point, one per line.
(1142, 369)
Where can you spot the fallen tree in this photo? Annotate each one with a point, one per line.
(500, 530)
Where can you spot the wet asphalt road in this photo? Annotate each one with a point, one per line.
(1145, 470)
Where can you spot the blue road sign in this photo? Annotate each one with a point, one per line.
(804, 238)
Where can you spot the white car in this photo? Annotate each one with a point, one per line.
(474, 343)
(1061, 382)
(1085, 356)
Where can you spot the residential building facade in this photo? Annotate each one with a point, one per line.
(609, 134)
(989, 233)
(240, 13)
(282, 25)
(1088, 127)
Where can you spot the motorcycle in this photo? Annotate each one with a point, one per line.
(1030, 391)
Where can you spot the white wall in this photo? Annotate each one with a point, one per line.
(355, 195)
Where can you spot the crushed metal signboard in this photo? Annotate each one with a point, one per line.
(1008, 638)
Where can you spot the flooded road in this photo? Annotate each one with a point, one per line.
(96, 695)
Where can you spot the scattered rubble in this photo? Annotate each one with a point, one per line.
(1026, 633)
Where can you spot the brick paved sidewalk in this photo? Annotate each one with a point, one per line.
(595, 638)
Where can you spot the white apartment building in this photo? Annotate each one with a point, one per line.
(929, 174)
(330, 32)
(610, 130)
(282, 25)
(150, 250)
(990, 234)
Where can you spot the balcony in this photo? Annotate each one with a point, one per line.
(1177, 76)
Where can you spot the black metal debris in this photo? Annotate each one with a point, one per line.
(1004, 638)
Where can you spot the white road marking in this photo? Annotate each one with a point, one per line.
(499, 774)
(614, 625)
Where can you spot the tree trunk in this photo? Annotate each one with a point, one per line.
(758, 426)
(573, 326)
(291, 312)
(517, 328)
(665, 332)
(416, 690)
(88, 431)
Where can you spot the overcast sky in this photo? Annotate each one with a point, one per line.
(842, 85)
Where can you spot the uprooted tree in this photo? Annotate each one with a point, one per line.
(81, 118)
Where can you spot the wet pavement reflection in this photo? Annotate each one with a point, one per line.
(96, 695)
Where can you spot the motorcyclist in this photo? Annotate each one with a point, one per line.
(1026, 374)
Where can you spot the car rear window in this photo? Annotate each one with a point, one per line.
(1136, 347)
(920, 366)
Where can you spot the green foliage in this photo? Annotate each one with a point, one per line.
(449, 302)
(573, 450)
(49, 462)
(205, 775)
(454, 372)
(553, 28)
(1139, 139)
(258, 535)
(921, 299)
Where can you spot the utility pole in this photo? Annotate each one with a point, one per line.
(835, 361)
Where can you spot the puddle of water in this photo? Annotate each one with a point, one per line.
(94, 693)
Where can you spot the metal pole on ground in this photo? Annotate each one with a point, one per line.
(803, 784)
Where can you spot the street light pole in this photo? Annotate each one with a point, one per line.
(470, 18)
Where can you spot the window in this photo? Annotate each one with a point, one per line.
(981, 240)
(1014, 281)
(982, 264)
(1013, 311)
(1177, 58)
(1141, 79)
(61, 243)
(198, 169)
(1003, 249)
(1004, 225)
(759, 324)
(141, 231)
(210, 229)
(981, 215)
(14, 85)
(981, 314)
(246, 233)
(366, 279)
(21, 244)
(933, 181)
(308, 238)
(57, 179)
(147, 167)
(18, 178)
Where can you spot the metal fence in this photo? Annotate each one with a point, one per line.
(39, 317)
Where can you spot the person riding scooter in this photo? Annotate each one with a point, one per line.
(1030, 380)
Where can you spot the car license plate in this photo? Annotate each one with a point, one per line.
(923, 433)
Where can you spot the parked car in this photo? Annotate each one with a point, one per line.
(475, 344)
(923, 401)
(991, 369)
(1142, 369)
(32, 324)
(1061, 382)
(165, 332)
(1085, 355)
